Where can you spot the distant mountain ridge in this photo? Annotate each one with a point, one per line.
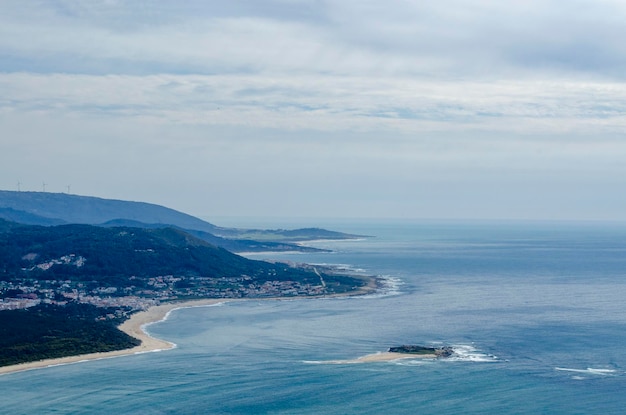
(234, 245)
(50, 209)
(92, 210)
(28, 218)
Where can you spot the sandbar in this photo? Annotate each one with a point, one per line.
(379, 357)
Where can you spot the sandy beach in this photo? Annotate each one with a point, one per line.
(134, 327)
(379, 357)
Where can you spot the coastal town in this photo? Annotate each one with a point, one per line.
(26, 293)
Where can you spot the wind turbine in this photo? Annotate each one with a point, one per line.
(18, 186)
(44, 186)
(68, 188)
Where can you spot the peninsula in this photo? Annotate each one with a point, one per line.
(67, 289)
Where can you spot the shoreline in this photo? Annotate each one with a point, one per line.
(136, 324)
(134, 327)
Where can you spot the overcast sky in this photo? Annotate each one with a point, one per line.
(313, 108)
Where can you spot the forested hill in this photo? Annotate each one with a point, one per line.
(91, 252)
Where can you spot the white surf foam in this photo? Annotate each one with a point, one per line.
(413, 362)
(388, 286)
(468, 353)
(341, 267)
(589, 370)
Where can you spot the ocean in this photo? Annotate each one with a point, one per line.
(535, 311)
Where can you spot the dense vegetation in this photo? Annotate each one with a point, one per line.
(47, 331)
(111, 253)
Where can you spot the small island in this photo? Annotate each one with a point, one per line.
(445, 351)
(397, 353)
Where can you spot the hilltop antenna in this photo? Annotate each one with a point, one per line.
(44, 186)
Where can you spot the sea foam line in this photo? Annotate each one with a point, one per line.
(589, 370)
(468, 353)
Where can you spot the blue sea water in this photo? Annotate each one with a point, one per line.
(536, 312)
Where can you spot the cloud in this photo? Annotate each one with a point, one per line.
(328, 103)
(400, 108)
(486, 38)
(452, 39)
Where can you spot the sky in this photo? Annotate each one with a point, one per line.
(473, 109)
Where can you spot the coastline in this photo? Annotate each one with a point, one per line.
(135, 327)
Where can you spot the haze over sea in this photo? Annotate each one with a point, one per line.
(535, 311)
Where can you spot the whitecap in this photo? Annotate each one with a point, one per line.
(589, 370)
(468, 353)
(340, 267)
(412, 362)
(388, 286)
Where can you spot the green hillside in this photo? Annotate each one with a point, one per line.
(112, 254)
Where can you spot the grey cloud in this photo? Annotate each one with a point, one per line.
(358, 100)
(448, 39)
(328, 103)
(481, 37)
(137, 15)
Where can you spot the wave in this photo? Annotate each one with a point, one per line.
(341, 267)
(468, 353)
(388, 286)
(167, 315)
(589, 370)
(174, 346)
(462, 353)
(391, 285)
(413, 362)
